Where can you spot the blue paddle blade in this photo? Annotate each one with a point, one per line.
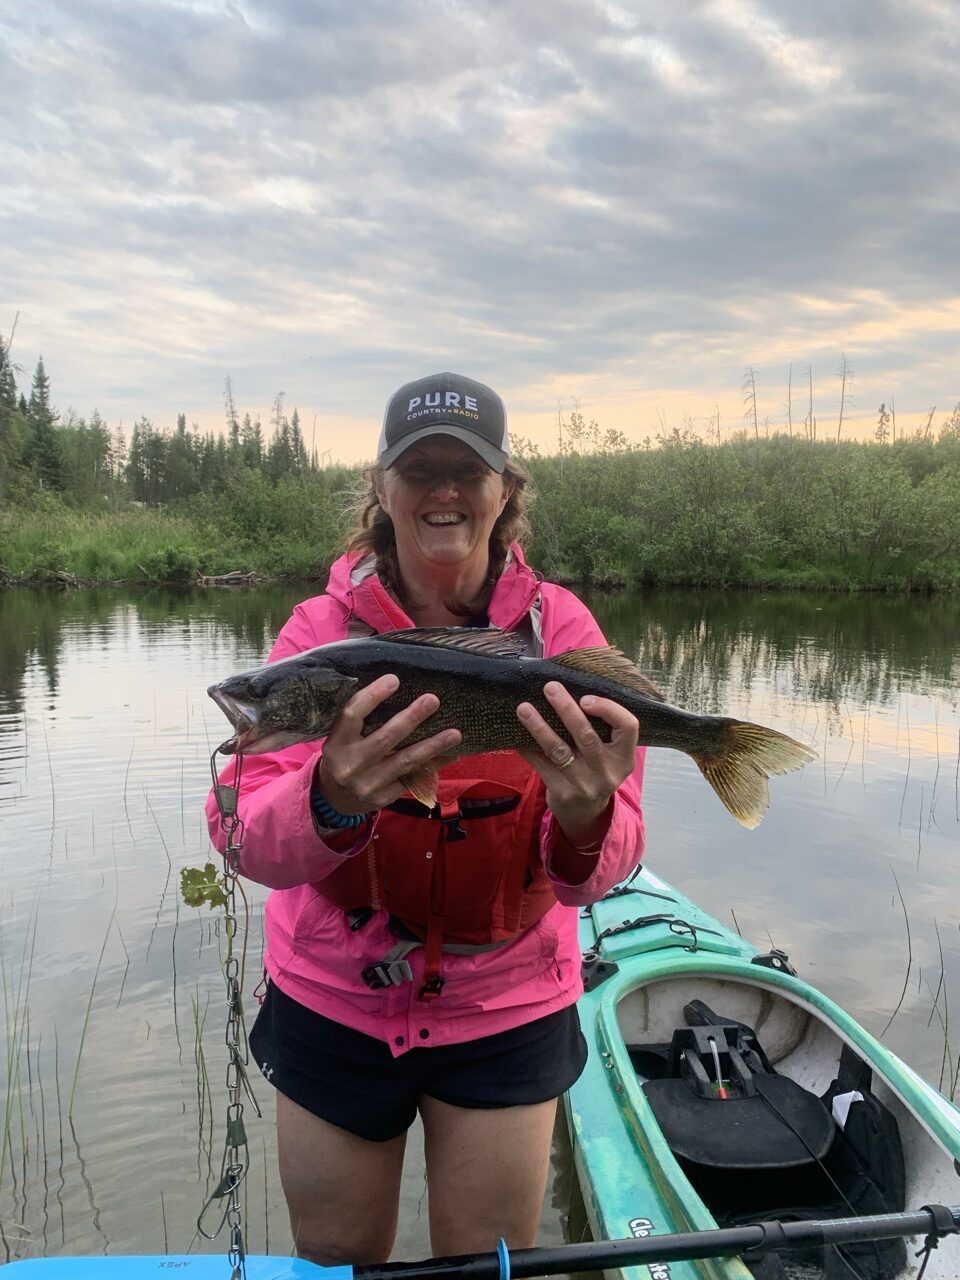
(206, 1266)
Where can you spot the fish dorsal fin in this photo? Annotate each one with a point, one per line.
(612, 664)
(489, 642)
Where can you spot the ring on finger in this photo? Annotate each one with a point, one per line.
(565, 764)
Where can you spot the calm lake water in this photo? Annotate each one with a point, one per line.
(112, 1068)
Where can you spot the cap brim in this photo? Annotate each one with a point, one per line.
(495, 458)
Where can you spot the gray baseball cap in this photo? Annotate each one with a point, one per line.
(446, 404)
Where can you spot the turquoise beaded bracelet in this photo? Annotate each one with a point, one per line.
(327, 816)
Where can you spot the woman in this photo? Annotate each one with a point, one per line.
(427, 960)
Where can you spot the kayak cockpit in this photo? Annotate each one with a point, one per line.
(753, 1104)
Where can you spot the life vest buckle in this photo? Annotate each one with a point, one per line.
(393, 970)
(387, 974)
(431, 988)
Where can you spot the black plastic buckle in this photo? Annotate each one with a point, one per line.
(375, 976)
(431, 988)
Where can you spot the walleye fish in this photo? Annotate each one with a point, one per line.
(480, 675)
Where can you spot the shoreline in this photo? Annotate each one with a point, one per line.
(236, 580)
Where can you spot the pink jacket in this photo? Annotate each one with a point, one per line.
(311, 954)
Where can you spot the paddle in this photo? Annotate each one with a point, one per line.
(932, 1222)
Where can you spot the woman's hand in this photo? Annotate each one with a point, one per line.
(580, 782)
(357, 774)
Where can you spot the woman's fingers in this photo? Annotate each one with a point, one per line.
(581, 780)
(360, 772)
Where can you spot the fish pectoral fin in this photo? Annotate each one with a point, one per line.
(489, 642)
(750, 754)
(422, 784)
(612, 664)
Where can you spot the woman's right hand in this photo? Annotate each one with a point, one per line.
(356, 774)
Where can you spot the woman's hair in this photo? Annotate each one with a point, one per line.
(373, 532)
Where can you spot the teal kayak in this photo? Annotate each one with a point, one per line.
(722, 1088)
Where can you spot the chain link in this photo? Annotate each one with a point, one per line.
(236, 1155)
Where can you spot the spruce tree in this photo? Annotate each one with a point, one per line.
(43, 447)
(8, 408)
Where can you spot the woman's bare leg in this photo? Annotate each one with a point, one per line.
(342, 1191)
(486, 1174)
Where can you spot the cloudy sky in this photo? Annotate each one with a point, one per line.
(623, 203)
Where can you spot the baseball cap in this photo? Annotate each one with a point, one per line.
(445, 404)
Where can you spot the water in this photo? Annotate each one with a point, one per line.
(112, 1072)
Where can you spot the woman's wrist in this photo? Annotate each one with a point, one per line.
(585, 837)
(327, 816)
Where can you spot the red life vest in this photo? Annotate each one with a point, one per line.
(468, 871)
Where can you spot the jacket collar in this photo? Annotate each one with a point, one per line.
(354, 584)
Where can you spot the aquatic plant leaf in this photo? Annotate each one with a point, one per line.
(199, 886)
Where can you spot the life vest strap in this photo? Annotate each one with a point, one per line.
(394, 968)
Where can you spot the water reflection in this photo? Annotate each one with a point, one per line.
(710, 648)
(114, 1009)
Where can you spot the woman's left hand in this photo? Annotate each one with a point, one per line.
(580, 781)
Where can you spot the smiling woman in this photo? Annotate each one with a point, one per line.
(425, 959)
(419, 495)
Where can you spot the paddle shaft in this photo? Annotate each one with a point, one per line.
(755, 1239)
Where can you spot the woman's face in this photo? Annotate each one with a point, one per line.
(443, 500)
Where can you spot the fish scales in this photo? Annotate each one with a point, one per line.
(480, 675)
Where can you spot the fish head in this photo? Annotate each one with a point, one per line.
(294, 700)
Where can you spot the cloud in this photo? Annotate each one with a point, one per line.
(326, 198)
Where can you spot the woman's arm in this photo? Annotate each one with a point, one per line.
(592, 834)
(283, 844)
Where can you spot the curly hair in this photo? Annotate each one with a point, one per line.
(373, 533)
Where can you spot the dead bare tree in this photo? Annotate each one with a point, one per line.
(790, 400)
(750, 400)
(846, 378)
(810, 422)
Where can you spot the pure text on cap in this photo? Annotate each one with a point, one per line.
(446, 404)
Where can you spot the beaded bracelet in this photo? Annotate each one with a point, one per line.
(327, 816)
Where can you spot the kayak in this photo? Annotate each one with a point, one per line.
(732, 1123)
(721, 1088)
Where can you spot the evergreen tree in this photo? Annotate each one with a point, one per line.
(251, 435)
(8, 415)
(135, 469)
(100, 448)
(8, 383)
(43, 447)
(298, 453)
(181, 467)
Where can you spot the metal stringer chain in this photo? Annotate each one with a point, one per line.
(236, 1155)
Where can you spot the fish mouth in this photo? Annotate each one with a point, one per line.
(244, 718)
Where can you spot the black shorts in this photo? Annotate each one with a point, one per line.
(353, 1080)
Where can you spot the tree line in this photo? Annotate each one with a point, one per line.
(685, 507)
(83, 461)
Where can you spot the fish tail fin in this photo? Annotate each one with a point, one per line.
(748, 755)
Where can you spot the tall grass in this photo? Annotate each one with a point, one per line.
(778, 512)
